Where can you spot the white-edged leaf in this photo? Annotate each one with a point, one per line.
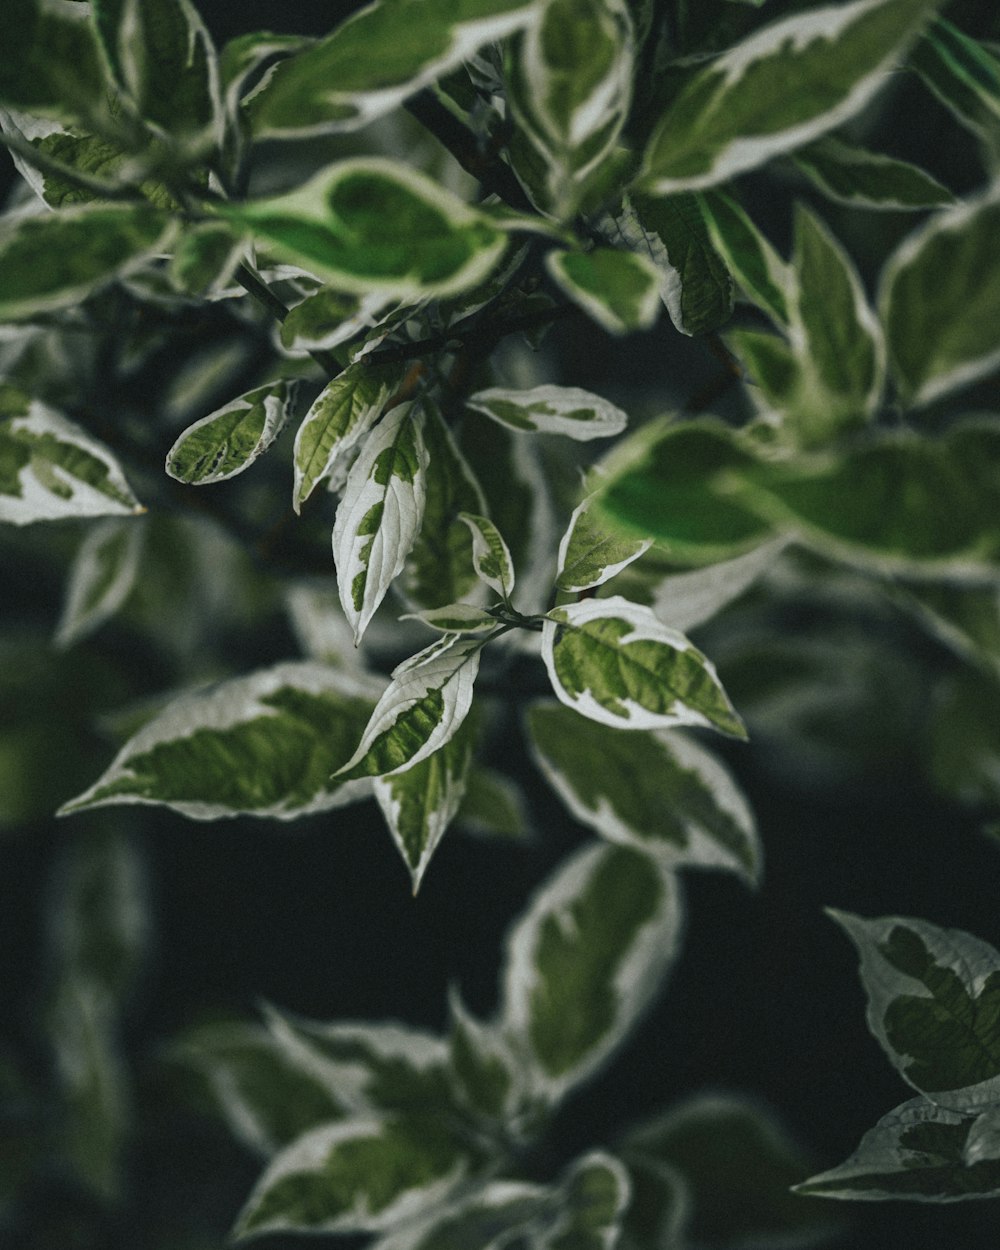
(940, 301)
(420, 802)
(861, 179)
(590, 554)
(584, 962)
(101, 579)
(964, 75)
(51, 469)
(919, 1152)
(490, 1217)
(422, 707)
(330, 317)
(455, 618)
(230, 439)
(549, 409)
(490, 554)
(357, 1175)
(342, 413)
(593, 1197)
(617, 289)
(482, 1067)
(613, 661)
(263, 745)
(685, 600)
(658, 791)
(933, 1005)
(320, 627)
(759, 271)
(778, 89)
(379, 515)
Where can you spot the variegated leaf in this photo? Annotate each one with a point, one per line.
(550, 409)
(102, 577)
(229, 440)
(490, 554)
(617, 289)
(861, 179)
(590, 554)
(759, 271)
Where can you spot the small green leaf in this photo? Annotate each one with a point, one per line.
(229, 440)
(550, 409)
(963, 74)
(593, 1197)
(490, 554)
(590, 554)
(658, 791)
(933, 1005)
(335, 226)
(205, 259)
(762, 275)
(783, 86)
(328, 318)
(619, 290)
(940, 301)
(861, 179)
(102, 577)
(614, 662)
(263, 745)
(54, 261)
(482, 1067)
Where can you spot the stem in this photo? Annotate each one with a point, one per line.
(254, 285)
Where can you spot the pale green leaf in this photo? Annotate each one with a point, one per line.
(590, 554)
(658, 790)
(318, 622)
(102, 577)
(933, 1005)
(205, 259)
(549, 409)
(778, 89)
(229, 440)
(50, 468)
(380, 513)
(920, 1153)
(455, 618)
(585, 960)
(619, 290)
(490, 554)
(341, 415)
(264, 745)
(963, 74)
(862, 179)
(614, 662)
(685, 600)
(940, 301)
(760, 272)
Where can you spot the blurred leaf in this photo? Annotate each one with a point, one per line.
(619, 290)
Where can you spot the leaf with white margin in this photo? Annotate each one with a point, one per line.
(483, 1069)
(455, 618)
(593, 1197)
(342, 413)
(590, 554)
(358, 1175)
(660, 1206)
(657, 791)
(685, 600)
(320, 627)
(619, 290)
(861, 179)
(421, 709)
(584, 962)
(940, 301)
(363, 69)
(229, 440)
(550, 409)
(919, 1152)
(421, 802)
(963, 75)
(490, 554)
(379, 515)
(102, 576)
(613, 661)
(335, 226)
(933, 1006)
(493, 806)
(759, 271)
(780, 88)
(51, 469)
(261, 745)
(488, 1218)
(328, 318)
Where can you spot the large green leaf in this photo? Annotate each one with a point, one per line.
(862, 179)
(590, 554)
(263, 745)
(229, 440)
(785, 85)
(940, 301)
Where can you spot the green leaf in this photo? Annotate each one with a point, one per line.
(328, 318)
(964, 736)
(590, 554)
(264, 745)
(785, 85)
(738, 1163)
(614, 662)
(364, 69)
(455, 618)
(340, 416)
(492, 806)
(760, 272)
(657, 791)
(50, 64)
(420, 710)
(242, 57)
(490, 554)
(380, 513)
(861, 179)
(593, 1197)
(619, 290)
(658, 1213)
(335, 226)
(549, 409)
(695, 286)
(54, 261)
(585, 960)
(420, 803)
(102, 577)
(358, 1175)
(940, 301)
(963, 75)
(229, 440)
(483, 1069)
(205, 258)
(50, 468)
(921, 1153)
(488, 1218)
(933, 1005)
